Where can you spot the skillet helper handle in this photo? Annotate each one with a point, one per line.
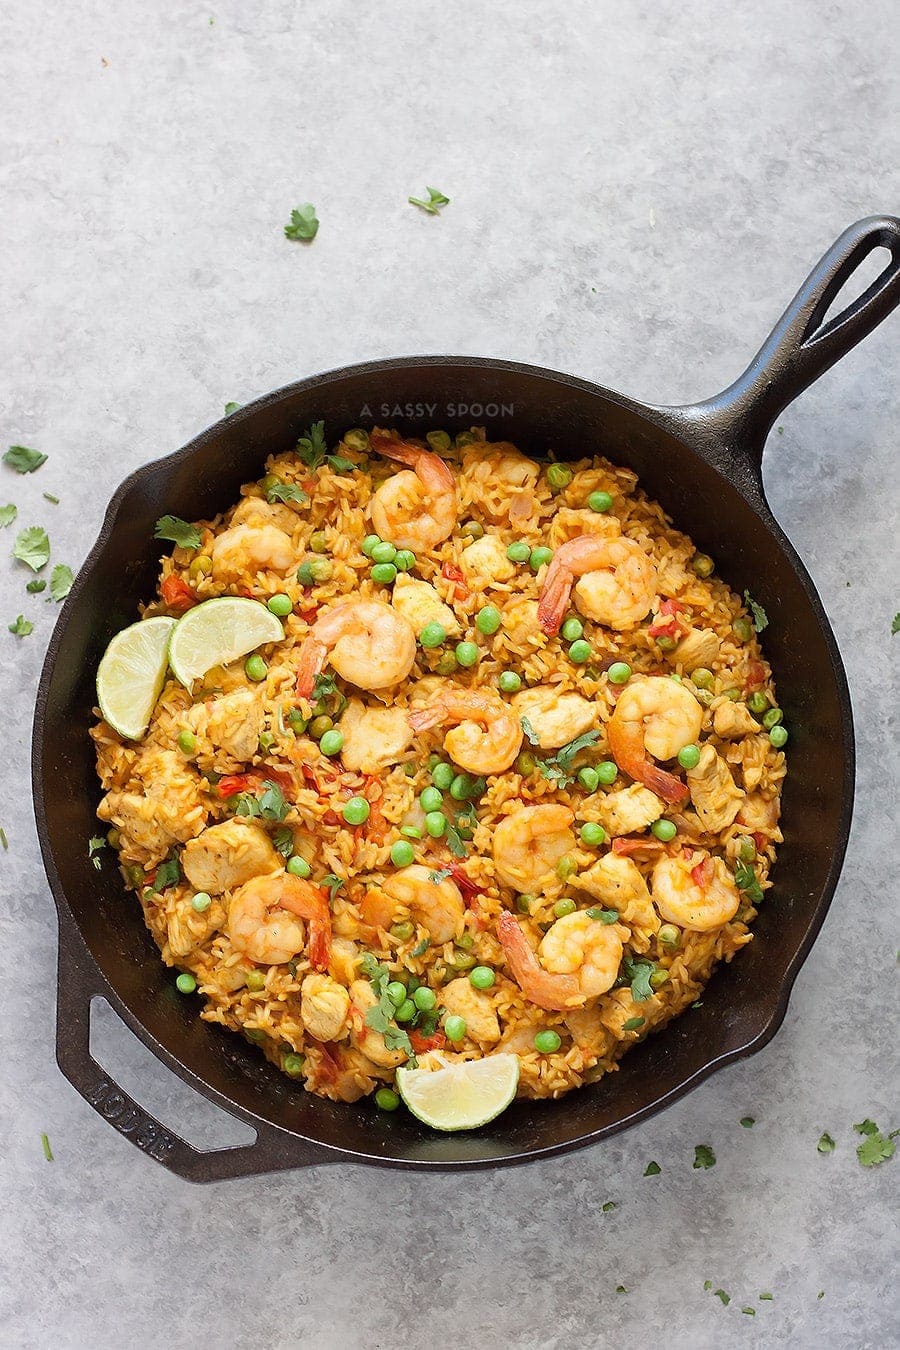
(271, 1150)
(801, 347)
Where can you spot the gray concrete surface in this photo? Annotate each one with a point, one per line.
(637, 189)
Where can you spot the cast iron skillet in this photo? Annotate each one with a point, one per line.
(703, 463)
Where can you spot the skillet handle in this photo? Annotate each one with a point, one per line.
(801, 347)
(78, 984)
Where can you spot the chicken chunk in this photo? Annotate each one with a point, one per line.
(421, 605)
(324, 1006)
(485, 561)
(227, 855)
(733, 720)
(629, 810)
(373, 737)
(716, 797)
(169, 811)
(555, 718)
(257, 511)
(232, 723)
(461, 1000)
(699, 647)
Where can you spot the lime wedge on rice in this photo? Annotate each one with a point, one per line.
(131, 675)
(460, 1096)
(217, 633)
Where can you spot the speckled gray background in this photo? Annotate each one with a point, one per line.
(637, 189)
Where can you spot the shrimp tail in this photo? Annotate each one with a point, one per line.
(626, 744)
(421, 719)
(665, 785)
(428, 467)
(554, 993)
(309, 903)
(313, 655)
(554, 597)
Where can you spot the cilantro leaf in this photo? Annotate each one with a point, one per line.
(167, 874)
(303, 224)
(760, 617)
(374, 971)
(745, 880)
(748, 1122)
(751, 1312)
(272, 803)
(380, 1016)
(23, 460)
(287, 492)
(633, 1023)
(334, 884)
(895, 622)
(720, 1293)
(454, 842)
(875, 1149)
(704, 1156)
(21, 627)
(439, 875)
(529, 730)
(45, 1145)
(638, 974)
(866, 1127)
(35, 586)
(244, 804)
(178, 530)
(826, 1144)
(340, 464)
(436, 200)
(283, 841)
(652, 1169)
(620, 1289)
(32, 547)
(95, 844)
(49, 497)
(312, 448)
(7, 515)
(567, 753)
(608, 1207)
(231, 408)
(61, 579)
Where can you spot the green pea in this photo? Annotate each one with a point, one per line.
(465, 941)
(564, 907)
(703, 678)
(356, 811)
(332, 743)
(269, 482)
(455, 1028)
(600, 501)
(580, 652)
(778, 737)
(436, 824)
(572, 629)
(431, 799)
(255, 668)
(747, 850)
(432, 635)
(669, 935)
(383, 552)
(482, 977)
(187, 742)
(369, 543)
(266, 741)
(396, 992)
(659, 978)
(256, 981)
(406, 1012)
(446, 665)
(743, 629)
(386, 1099)
(524, 903)
(442, 775)
(547, 1042)
(539, 557)
(665, 643)
(588, 778)
(732, 694)
(439, 441)
(592, 834)
(113, 838)
(425, 999)
(566, 867)
(510, 682)
(279, 605)
(185, 984)
(702, 565)
(525, 763)
(293, 1065)
(607, 772)
(255, 1034)
(518, 552)
(664, 830)
(297, 720)
(619, 672)
(757, 703)
(461, 787)
(402, 853)
(559, 476)
(467, 653)
(356, 439)
(305, 574)
(403, 931)
(200, 902)
(689, 756)
(472, 529)
(411, 831)
(405, 560)
(318, 542)
(383, 573)
(487, 620)
(773, 717)
(319, 725)
(297, 866)
(201, 566)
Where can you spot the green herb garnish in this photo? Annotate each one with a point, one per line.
(751, 1312)
(303, 224)
(23, 460)
(95, 844)
(703, 1156)
(529, 730)
(45, 1145)
(895, 622)
(231, 408)
(3, 839)
(167, 874)
(7, 515)
(441, 874)
(179, 531)
(875, 1148)
(436, 200)
(760, 617)
(61, 579)
(313, 450)
(726, 1298)
(273, 804)
(608, 1207)
(21, 627)
(652, 1169)
(422, 947)
(454, 842)
(36, 585)
(49, 497)
(287, 492)
(748, 1122)
(638, 975)
(604, 915)
(333, 883)
(633, 1023)
(381, 1017)
(826, 1144)
(745, 880)
(32, 547)
(283, 841)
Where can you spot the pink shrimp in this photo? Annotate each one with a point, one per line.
(617, 583)
(368, 643)
(415, 510)
(486, 733)
(653, 716)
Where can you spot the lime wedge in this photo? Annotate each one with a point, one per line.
(131, 675)
(460, 1096)
(218, 632)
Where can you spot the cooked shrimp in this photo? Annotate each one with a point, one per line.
(555, 718)
(263, 920)
(417, 509)
(324, 1005)
(578, 959)
(529, 843)
(436, 905)
(367, 642)
(486, 734)
(656, 716)
(251, 548)
(616, 587)
(696, 892)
